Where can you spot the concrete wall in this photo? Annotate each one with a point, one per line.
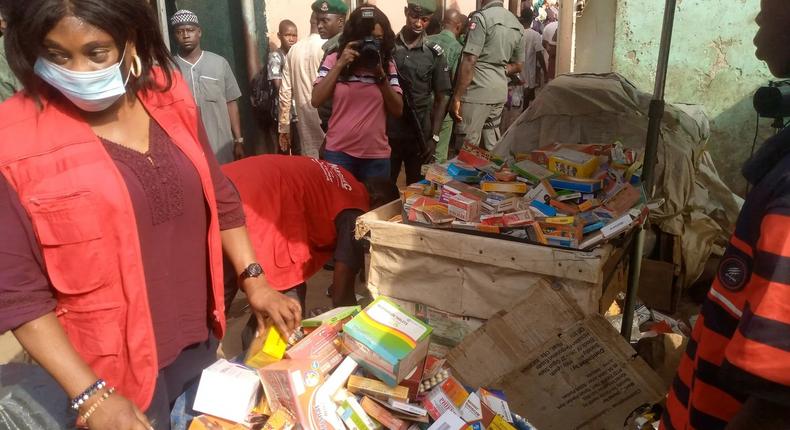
(712, 63)
(595, 37)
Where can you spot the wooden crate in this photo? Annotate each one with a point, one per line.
(480, 276)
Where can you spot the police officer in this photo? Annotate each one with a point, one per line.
(331, 20)
(452, 26)
(425, 80)
(494, 50)
(331, 16)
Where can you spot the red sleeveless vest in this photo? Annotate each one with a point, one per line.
(84, 222)
(290, 204)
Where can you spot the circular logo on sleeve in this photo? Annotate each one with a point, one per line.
(733, 273)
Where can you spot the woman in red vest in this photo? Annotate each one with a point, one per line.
(114, 213)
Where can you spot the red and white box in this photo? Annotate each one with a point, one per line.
(464, 208)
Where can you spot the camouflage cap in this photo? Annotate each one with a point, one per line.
(423, 7)
(336, 7)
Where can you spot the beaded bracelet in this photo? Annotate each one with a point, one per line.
(77, 402)
(96, 404)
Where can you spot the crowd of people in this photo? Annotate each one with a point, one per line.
(438, 79)
(124, 197)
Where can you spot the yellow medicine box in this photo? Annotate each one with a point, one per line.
(573, 163)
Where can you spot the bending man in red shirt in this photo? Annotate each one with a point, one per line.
(735, 374)
(300, 213)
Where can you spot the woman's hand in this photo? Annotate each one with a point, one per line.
(349, 55)
(285, 312)
(116, 413)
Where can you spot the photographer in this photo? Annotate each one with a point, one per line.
(363, 93)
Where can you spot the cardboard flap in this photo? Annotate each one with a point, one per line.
(558, 368)
(500, 345)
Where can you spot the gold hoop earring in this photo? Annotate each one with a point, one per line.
(137, 66)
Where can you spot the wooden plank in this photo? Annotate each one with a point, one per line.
(463, 287)
(566, 264)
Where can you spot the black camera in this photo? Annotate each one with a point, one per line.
(773, 101)
(369, 50)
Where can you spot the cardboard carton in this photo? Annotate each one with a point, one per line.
(387, 341)
(543, 209)
(517, 219)
(461, 169)
(448, 421)
(541, 155)
(565, 235)
(322, 408)
(438, 175)
(505, 187)
(352, 413)
(291, 384)
(266, 349)
(497, 220)
(557, 368)
(623, 199)
(455, 188)
(321, 347)
(335, 316)
(564, 208)
(471, 410)
(532, 171)
(543, 192)
(376, 389)
(577, 184)
(499, 406)
(382, 415)
(228, 391)
(450, 395)
(464, 208)
(414, 380)
(573, 163)
(281, 419)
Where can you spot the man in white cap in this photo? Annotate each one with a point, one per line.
(211, 81)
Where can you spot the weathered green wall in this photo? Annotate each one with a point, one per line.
(223, 34)
(712, 63)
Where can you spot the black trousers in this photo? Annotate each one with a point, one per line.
(406, 152)
(177, 377)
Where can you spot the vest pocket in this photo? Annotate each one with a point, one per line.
(94, 331)
(70, 234)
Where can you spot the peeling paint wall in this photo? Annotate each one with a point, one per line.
(595, 37)
(712, 63)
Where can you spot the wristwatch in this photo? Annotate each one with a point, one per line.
(239, 140)
(436, 138)
(252, 271)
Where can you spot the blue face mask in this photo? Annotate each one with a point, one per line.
(89, 91)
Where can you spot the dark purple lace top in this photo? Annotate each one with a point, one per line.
(172, 220)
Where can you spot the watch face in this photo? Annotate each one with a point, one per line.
(254, 270)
